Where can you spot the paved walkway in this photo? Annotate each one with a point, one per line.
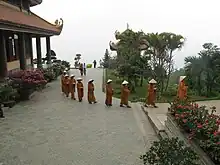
(51, 129)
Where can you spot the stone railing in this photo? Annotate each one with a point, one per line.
(173, 130)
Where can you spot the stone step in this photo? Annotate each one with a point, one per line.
(157, 121)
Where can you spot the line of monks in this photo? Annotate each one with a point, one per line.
(69, 86)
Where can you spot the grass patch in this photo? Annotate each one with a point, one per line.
(141, 92)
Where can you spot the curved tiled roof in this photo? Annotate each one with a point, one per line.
(12, 14)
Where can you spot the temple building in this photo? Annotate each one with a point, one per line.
(18, 25)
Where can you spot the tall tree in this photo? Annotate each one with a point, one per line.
(174, 42)
(106, 59)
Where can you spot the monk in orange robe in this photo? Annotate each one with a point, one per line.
(72, 86)
(109, 93)
(182, 89)
(124, 94)
(66, 85)
(91, 95)
(80, 89)
(151, 97)
(62, 81)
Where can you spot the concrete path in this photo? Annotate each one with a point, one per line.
(51, 129)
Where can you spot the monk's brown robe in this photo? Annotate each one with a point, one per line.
(80, 90)
(81, 69)
(124, 95)
(182, 91)
(66, 86)
(62, 83)
(72, 87)
(151, 95)
(109, 94)
(91, 96)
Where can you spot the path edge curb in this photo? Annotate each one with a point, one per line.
(161, 133)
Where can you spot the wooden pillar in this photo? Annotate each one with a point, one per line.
(48, 50)
(3, 56)
(22, 52)
(31, 50)
(39, 56)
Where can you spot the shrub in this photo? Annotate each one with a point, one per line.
(27, 81)
(89, 66)
(169, 151)
(201, 124)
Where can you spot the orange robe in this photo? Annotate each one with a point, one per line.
(109, 94)
(151, 95)
(91, 96)
(182, 91)
(124, 95)
(80, 90)
(66, 86)
(72, 87)
(62, 83)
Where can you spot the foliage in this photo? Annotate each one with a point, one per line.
(26, 81)
(89, 66)
(51, 73)
(106, 59)
(7, 93)
(203, 71)
(170, 151)
(66, 64)
(201, 124)
(141, 56)
(52, 54)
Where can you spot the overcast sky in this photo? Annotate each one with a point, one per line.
(89, 25)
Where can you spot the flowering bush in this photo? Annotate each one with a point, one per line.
(202, 125)
(29, 78)
(51, 73)
(27, 81)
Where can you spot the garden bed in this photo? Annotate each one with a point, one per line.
(172, 129)
(198, 127)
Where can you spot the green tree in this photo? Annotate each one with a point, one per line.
(203, 71)
(106, 59)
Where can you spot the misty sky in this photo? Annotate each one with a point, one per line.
(89, 25)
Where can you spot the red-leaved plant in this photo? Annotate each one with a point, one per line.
(201, 123)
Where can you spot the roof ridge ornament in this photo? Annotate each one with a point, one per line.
(59, 23)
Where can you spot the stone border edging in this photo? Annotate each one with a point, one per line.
(160, 132)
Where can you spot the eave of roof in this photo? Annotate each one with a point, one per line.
(13, 17)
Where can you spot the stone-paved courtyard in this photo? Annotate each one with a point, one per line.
(51, 129)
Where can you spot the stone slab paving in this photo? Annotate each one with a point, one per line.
(51, 129)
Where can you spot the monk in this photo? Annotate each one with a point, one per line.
(62, 81)
(151, 94)
(182, 89)
(66, 85)
(124, 94)
(81, 69)
(72, 86)
(109, 93)
(80, 89)
(91, 95)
